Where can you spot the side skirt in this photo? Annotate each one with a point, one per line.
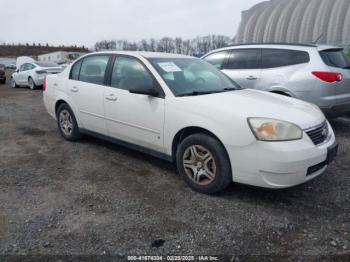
(128, 145)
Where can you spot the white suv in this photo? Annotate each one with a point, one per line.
(316, 74)
(183, 109)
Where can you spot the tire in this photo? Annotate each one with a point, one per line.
(3, 82)
(31, 83)
(13, 83)
(67, 123)
(211, 156)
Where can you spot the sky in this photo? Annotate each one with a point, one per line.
(84, 22)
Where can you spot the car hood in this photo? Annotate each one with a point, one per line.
(253, 103)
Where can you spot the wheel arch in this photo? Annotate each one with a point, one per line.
(186, 132)
(281, 91)
(58, 103)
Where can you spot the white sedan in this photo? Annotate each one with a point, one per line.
(184, 110)
(33, 74)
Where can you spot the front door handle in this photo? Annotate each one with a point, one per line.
(111, 97)
(252, 78)
(74, 89)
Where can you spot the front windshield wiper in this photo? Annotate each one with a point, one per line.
(197, 93)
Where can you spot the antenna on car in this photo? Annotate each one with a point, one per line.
(318, 39)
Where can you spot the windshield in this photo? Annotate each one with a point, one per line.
(42, 64)
(335, 58)
(190, 76)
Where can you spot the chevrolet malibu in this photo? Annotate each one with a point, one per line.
(184, 110)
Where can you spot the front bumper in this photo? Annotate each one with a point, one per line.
(280, 164)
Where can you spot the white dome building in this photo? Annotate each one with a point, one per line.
(296, 21)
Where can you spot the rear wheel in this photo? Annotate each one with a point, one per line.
(203, 163)
(31, 83)
(67, 123)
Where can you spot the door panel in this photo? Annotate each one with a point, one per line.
(133, 118)
(89, 100)
(244, 67)
(22, 75)
(87, 91)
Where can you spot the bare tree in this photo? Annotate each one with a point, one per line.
(197, 46)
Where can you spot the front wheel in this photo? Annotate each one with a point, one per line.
(204, 164)
(67, 123)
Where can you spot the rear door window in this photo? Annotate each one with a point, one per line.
(74, 75)
(93, 69)
(217, 59)
(272, 58)
(244, 59)
(335, 58)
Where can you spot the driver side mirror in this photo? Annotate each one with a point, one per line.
(151, 91)
(17, 70)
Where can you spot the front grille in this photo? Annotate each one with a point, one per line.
(319, 134)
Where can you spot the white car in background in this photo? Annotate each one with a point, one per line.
(32, 74)
(184, 110)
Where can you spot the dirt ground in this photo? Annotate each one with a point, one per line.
(96, 198)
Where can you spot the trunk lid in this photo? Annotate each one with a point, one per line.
(338, 62)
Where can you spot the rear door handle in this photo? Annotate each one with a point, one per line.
(252, 78)
(111, 97)
(74, 89)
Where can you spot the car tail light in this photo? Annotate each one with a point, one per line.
(44, 84)
(329, 77)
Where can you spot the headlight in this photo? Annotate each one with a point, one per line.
(266, 129)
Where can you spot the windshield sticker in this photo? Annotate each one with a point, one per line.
(170, 67)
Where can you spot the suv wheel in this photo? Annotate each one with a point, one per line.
(67, 124)
(203, 163)
(31, 83)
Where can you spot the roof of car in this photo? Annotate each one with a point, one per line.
(281, 45)
(143, 54)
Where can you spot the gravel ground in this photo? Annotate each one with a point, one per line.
(95, 198)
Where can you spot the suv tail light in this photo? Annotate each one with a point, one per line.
(329, 77)
(44, 84)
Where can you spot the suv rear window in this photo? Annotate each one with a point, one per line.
(335, 58)
(272, 58)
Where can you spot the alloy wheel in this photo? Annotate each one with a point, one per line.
(199, 165)
(66, 122)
